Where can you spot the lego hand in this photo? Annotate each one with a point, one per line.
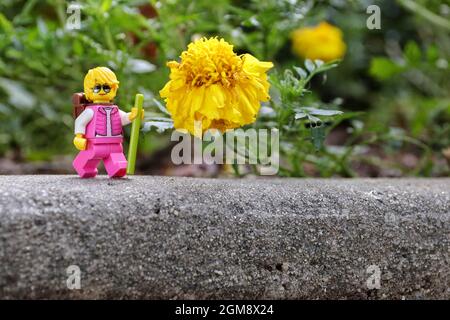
(79, 142)
(133, 114)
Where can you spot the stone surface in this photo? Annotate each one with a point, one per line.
(182, 238)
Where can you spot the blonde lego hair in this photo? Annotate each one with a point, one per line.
(99, 75)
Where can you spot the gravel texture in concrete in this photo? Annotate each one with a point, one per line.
(183, 238)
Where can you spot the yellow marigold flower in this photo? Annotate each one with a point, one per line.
(323, 42)
(213, 85)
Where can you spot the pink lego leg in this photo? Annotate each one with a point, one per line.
(86, 163)
(116, 163)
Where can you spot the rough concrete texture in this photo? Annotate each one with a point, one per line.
(182, 238)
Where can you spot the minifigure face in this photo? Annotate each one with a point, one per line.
(100, 85)
(103, 92)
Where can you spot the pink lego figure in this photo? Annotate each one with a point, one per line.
(98, 128)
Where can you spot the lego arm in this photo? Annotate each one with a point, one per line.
(124, 117)
(80, 128)
(127, 117)
(82, 121)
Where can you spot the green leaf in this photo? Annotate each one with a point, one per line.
(299, 115)
(5, 24)
(161, 107)
(42, 27)
(310, 66)
(19, 96)
(326, 66)
(251, 22)
(318, 136)
(160, 126)
(432, 53)
(412, 52)
(318, 63)
(302, 73)
(140, 66)
(323, 112)
(314, 119)
(383, 69)
(106, 5)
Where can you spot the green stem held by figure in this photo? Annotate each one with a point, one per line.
(134, 137)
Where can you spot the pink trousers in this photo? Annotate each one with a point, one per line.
(86, 161)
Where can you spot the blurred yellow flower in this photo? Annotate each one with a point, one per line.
(323, 42)
(213, 85)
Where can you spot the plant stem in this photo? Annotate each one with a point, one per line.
(109, 38)
(60, 12)
(425, 13)
(235, 167)
(134, 138)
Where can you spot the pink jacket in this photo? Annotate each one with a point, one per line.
(101, 123)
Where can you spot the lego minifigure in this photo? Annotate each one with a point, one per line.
(98, 126)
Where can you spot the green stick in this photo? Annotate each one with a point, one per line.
(134, 138)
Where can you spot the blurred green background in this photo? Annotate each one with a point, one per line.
(392, 84)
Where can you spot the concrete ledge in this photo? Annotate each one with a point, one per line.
(163, 237)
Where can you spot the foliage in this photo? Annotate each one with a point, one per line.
(303, 127)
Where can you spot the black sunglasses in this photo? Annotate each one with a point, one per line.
(106, 88)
